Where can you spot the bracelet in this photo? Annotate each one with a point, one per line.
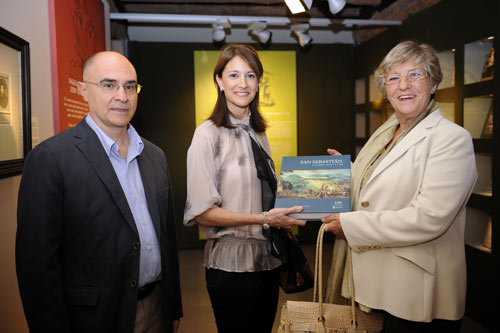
(266, 221)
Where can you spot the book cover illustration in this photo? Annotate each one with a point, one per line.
(320, 184)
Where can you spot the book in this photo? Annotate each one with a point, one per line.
(320, 184)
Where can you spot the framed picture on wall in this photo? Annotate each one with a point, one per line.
(15, 103)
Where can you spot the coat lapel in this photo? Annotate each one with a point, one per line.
(146, 163)
(414, 136)
(90, 146)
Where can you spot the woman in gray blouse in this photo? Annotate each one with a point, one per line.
(224, 199)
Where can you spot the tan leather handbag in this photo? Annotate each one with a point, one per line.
(319, 317)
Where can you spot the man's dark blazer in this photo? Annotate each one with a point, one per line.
(77, 245)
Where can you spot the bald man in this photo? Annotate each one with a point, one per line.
(96, 244)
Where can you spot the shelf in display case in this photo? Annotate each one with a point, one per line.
(480, 248)
(478, 229)
(483, 202)
(478, 116)
(483, 186)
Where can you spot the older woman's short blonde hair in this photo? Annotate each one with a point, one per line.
(410, 50)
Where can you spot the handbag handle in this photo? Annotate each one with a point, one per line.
(318, 277)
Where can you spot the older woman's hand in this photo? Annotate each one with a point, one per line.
(333, 224)
(278, 217)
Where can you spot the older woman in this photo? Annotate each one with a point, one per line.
(224, 198)
(410, 185)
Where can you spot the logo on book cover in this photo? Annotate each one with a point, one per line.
(337, 204)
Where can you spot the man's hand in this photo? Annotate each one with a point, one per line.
(177, 323)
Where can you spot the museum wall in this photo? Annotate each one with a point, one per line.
(29, 20)
(166, 112)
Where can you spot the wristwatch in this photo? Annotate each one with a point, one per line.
(266, 221)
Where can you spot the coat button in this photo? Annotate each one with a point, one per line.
(365, 204)
(133, 283)
(137, 246)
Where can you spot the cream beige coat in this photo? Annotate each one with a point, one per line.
(407, 230)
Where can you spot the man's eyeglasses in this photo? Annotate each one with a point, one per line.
(130, 88)
(411, 76)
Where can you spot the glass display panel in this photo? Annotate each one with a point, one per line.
(375, 120)
(448, 110)
(478, 116)
(479, 61)
(447, 62)
(360, 91)
(375, 94)
(360, 124)
(478, 229)
(483, 185)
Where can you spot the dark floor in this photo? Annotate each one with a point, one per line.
(198, 316)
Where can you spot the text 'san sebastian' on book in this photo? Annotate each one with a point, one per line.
(320, 184)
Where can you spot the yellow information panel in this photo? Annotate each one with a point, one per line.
(278, 97)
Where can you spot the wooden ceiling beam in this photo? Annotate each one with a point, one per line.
(228, 10)
(371, 3)
(399, 10)
(209, 2)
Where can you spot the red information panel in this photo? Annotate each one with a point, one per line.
(76, 32)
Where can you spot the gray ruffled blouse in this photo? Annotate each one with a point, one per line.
(221, 173)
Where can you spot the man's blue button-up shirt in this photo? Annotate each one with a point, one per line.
(130, 179)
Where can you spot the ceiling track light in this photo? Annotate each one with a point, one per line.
(336, 6)
(258, 29)
(220, 25)
(244, 20)
(300, 30)
(298, 6)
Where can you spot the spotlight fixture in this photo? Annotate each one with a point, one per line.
(258, 29)
(219, 33)
(300, 31)
(336, 5)
(298, 6)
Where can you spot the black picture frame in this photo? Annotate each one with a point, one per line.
(14, 166)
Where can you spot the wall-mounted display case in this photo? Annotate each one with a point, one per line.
(478, 116)
(465, 38)
(478, 230)
(373, 92)
(447, 62)
(479, 58)
(360, 91)
(448, 110)
(360, 125)
(484, 185)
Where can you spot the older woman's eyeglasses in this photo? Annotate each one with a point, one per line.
(130, 88)
(411, 76)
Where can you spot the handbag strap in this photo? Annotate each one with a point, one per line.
(351, 287)
(318, 277)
